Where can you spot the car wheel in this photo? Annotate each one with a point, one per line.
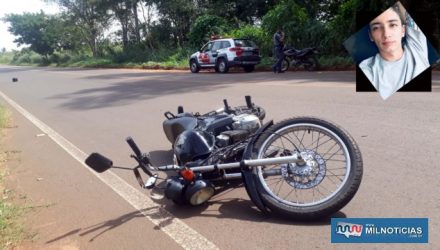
(194, 66)
(222, 66)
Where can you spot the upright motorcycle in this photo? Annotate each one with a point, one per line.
(296, 58)
(304, 168)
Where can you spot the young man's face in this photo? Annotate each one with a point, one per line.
(387, 31)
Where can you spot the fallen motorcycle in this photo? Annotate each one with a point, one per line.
(304, 168)
(296, 58)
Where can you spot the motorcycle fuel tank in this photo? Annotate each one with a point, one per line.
(191, 145)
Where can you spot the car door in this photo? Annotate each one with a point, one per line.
(204, 55)
(214, 52)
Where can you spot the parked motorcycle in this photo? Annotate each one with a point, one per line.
(296, 58)
(304, 168)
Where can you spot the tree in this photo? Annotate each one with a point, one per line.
(180, 14)
(90, 17)
(290, 16)
(206, 26)
(126, 13)
(237, 12)
(38, 30)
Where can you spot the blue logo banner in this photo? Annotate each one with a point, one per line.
(379, 230)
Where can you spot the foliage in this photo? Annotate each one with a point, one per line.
(11, 232)
(38, 30)
(28, 57)
(341, 27)
(156, 30)
(292, 18)
(256, 34)
(90, 19)
(238, 12)
(335, 61)
(206, 26)
(6, 57)
(180, 14)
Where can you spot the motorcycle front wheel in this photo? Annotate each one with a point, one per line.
(323, 183)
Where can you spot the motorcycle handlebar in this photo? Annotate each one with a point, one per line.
(248, 101)
(134, 147)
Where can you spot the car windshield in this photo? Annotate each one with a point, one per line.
(244, 43)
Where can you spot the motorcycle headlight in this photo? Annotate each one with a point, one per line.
(199, 192)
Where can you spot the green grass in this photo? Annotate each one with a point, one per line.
(336, 61)
(160, 59)
(11, 232)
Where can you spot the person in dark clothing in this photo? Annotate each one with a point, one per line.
(278, 39)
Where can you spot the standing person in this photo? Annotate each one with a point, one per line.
(278, 40)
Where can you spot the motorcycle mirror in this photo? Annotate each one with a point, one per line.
(98, 162)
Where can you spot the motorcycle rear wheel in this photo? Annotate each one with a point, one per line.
(285, 65)
(324, 184)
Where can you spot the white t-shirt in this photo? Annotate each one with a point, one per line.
(388, 77)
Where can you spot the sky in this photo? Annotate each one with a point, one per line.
(18, 7)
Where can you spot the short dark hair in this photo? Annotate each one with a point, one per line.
(396, 8)
(399, 12)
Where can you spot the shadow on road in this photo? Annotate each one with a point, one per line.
(160, 215)
(125, 93)
(134, 86)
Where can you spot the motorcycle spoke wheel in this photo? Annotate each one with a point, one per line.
(327, 179)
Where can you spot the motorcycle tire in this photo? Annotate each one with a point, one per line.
(327, 181)
(285, 65)
(311, 64)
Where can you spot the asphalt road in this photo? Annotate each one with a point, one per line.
(96, 109)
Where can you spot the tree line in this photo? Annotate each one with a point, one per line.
(159, 29)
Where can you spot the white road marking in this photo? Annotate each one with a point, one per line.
(181, 233)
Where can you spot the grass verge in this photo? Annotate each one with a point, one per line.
(11, 232)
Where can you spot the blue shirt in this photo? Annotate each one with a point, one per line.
(388, 77)
(277, 39)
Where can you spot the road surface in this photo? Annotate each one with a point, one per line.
(89, 110)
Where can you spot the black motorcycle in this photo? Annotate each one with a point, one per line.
(296, 58)
(304, 168)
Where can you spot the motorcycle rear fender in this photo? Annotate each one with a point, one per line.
(310, 51)
(246, 173)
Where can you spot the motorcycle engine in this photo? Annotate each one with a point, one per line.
(243, 126)
(247, 122)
